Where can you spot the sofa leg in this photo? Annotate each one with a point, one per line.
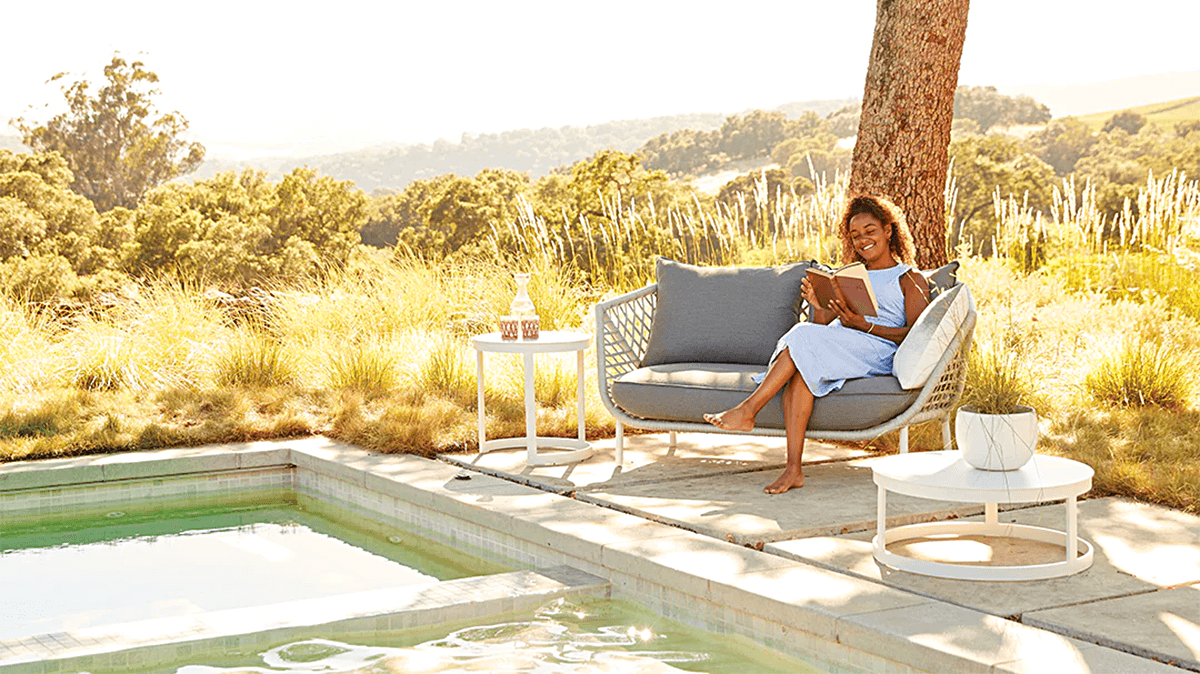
(672, 439)
(620, 443)
(904, 440)
(946, 440)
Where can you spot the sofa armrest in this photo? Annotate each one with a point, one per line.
(622, 333)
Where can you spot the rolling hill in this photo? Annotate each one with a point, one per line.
(1166, 114)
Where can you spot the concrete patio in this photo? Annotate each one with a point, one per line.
(1141, 595)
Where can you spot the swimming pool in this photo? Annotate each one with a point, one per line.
(176, 557)
(113, 567)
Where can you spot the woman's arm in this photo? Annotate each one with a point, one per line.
(916, 298)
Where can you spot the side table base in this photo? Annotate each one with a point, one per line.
(566, 450)
(979, 572)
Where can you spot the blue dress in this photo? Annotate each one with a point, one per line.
(827, 355)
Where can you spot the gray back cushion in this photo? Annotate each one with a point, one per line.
(722, 314)
(942, 278)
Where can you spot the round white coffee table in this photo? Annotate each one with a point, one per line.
(548, 341)
(944, 476)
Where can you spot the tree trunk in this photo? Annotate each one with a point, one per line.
(908, 104)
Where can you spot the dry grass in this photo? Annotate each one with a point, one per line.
(379, 354)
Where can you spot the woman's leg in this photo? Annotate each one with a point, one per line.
(797, 409)
(741, 418)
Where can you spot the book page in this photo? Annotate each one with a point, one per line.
(855, 284)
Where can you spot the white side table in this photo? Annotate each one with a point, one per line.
(549, 341)
(944, 476)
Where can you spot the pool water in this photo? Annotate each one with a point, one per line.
(69, 571)
(576, 636)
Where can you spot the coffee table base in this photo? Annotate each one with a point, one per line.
(979, 572)
(567, 449)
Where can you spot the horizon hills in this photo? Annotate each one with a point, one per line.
(363, 162)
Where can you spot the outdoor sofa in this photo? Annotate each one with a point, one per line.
(688, 345)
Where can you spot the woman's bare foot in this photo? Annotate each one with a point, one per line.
(736, 419)
(792, 478)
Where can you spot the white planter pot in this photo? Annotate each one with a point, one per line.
(996, 441)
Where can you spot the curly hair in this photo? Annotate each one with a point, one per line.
(888, 213)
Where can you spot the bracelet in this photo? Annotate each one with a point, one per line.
(870, 327)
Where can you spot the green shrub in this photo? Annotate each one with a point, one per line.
(39, 278)
(1142, 373)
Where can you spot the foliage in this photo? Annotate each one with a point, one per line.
(241, 229)
(754, 135)
(988, 108)
(116, 148)
(984, 165)
(1142, 373)
(40, 216)
(1127, 120)
(1062, 143)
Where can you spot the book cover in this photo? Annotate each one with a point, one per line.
(854, 283)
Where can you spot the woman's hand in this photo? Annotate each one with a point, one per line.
(806, 292)
(846, 315)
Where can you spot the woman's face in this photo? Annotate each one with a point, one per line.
(870, 237)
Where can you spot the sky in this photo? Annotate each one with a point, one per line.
(259, 78)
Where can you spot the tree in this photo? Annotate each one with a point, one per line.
(908, 105)
(40, 215)
(464, 209)
(1128, 120)
(755, 134)
(983, 164)
(1062, 143)
(989, 108)
(115, 146)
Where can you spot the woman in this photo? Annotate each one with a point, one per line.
(814, 359)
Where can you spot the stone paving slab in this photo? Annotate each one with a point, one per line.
(836, 498)
(1138, 548)
(1164, 625)
(650, 459)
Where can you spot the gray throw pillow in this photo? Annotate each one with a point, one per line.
(941, 279)
(722, 314)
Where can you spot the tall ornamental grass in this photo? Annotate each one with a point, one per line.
(1142, 373)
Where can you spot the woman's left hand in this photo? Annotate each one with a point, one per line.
(847, 316)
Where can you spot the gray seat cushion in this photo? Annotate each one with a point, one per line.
(687, 391)
(722, 314)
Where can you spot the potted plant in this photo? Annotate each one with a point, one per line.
(994, 428)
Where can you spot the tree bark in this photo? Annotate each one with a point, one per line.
(908, 104)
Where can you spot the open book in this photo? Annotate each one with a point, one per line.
(854, 283)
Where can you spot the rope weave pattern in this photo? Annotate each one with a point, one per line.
(627, 334)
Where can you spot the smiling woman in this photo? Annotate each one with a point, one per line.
(815, 359)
